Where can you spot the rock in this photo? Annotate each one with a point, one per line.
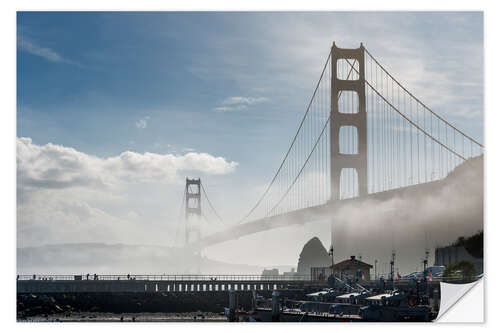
(313, 254)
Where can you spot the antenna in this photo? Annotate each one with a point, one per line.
(393, 260)
(330, 252)
(426, 258)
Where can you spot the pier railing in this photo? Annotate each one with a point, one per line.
(165, 277)
(215, 278)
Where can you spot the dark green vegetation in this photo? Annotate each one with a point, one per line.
(473, 244)
(462, 269)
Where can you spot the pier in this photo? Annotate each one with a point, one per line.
(159, 283)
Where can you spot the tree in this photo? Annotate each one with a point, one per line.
(461, 269)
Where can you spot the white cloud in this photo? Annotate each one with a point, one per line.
(65, 195)
(229, 108)
(238, 103)
(142, 123)
(55, 166)
(44, 52)
(244, 100)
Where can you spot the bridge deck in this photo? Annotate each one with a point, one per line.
(310, 214)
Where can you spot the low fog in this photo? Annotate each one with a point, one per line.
(408, 223)
(101, 258)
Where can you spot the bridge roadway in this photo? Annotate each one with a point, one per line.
(158, 283)
(320, 212)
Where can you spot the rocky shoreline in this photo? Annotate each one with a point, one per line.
(126, 317)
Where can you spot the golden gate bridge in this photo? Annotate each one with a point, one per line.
(363, 136)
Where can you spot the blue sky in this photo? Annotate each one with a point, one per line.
(113, 69)
(230, 85)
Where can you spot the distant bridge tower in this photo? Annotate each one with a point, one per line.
(340, 161)
(193, 210)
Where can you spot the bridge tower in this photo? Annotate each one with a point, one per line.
(339, 161)
(193, 209)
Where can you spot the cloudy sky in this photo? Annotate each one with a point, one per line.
(116, 109)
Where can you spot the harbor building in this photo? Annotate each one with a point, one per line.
(350, 268)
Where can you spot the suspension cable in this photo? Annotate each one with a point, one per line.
(180, 216)
(421, 103)
(291, 145)
(308, 157)
(409, 120)
(211, 206)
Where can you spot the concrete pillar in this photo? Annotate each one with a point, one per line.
(232, 305)
(275, 307)
(436, 300)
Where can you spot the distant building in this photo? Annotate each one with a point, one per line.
(270, 272)
(449, 255)
(292, 273)
(352, 268)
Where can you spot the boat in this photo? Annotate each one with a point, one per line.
(394, 307)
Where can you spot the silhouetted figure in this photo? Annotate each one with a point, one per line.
(88, 276)
(128, 276)
(95, 277)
